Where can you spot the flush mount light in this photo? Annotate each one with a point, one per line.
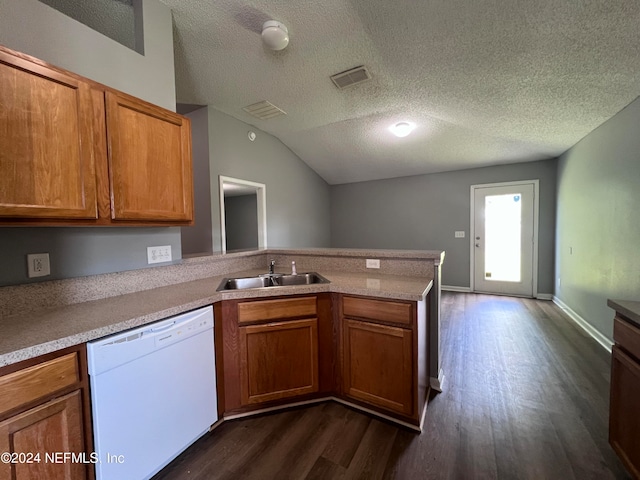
(275, 35)
(402, 129)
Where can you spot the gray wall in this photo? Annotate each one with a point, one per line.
(31, 27)
(34, 28)
(598, 226)
(424, 211)
(115, 19)
(298, 200)
(197, 238)
(241, 221)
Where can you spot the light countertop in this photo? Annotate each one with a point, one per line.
(28, 335)
(628, 308)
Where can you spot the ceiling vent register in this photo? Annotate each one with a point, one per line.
(264, 110)
(352, 77)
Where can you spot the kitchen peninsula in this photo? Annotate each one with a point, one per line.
(396, 307)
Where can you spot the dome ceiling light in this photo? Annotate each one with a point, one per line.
(402, 129)
(275, 35)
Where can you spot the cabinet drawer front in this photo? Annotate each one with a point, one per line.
(276, 309)
(38, 381)
(382, 310)
(627, 335)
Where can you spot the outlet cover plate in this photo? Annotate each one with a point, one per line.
(459, 234)
(373, 263)
(159, 254)
(38, 265)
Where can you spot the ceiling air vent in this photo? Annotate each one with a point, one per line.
(351, 77)
(264, 110)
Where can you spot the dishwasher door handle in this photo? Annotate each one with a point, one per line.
(162, 328)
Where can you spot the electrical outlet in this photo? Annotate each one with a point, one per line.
(38, 265)
(159, 254)
(459, 234)
(373, 263)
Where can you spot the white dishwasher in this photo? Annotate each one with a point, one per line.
(153, 393)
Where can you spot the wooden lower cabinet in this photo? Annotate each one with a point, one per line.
(624, 408)
(39, 437)
(368, 352)
(45, 419)
(384, 356)
(278, 360)
(274, 351)
(378, 365)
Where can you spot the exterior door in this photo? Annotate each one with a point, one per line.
(504, 238)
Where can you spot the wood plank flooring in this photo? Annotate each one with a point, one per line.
(525, 397)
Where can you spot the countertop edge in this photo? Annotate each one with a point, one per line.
(336, 286)
(628, 308)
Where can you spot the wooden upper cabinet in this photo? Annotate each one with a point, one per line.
(149, 151)
(46, 155)
(75, 152)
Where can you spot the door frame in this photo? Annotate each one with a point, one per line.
(472, 228)
(261, 193)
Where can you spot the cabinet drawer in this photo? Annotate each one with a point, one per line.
(276, 309)
(30, 384)
(381, 310)
(627, 336)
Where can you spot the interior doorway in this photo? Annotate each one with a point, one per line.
(504, 238)
(243, 217)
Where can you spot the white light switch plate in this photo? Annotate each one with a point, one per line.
(460, 234)
(159, 254)
(373, 263)
(38, 265)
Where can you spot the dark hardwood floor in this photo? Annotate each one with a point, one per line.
(525, 397)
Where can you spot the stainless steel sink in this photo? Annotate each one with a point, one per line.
(271, 280)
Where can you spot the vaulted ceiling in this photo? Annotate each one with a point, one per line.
(486, 82)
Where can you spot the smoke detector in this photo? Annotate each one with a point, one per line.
(275, 35)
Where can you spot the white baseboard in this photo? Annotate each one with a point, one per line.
(544, 296)
(451, 288)
(436, 383)
(586, 326)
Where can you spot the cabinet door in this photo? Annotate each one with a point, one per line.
(624, 414)
(150, 170)
(50, 428)
(377, 365)
(278, 360)
(46, 155)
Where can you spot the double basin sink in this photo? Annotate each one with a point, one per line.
(271, 280)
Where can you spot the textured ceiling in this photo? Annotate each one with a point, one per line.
(486, 81)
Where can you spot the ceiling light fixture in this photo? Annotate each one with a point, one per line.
(402, 129)
(275, 35)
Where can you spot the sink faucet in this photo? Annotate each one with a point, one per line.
(272, 265)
